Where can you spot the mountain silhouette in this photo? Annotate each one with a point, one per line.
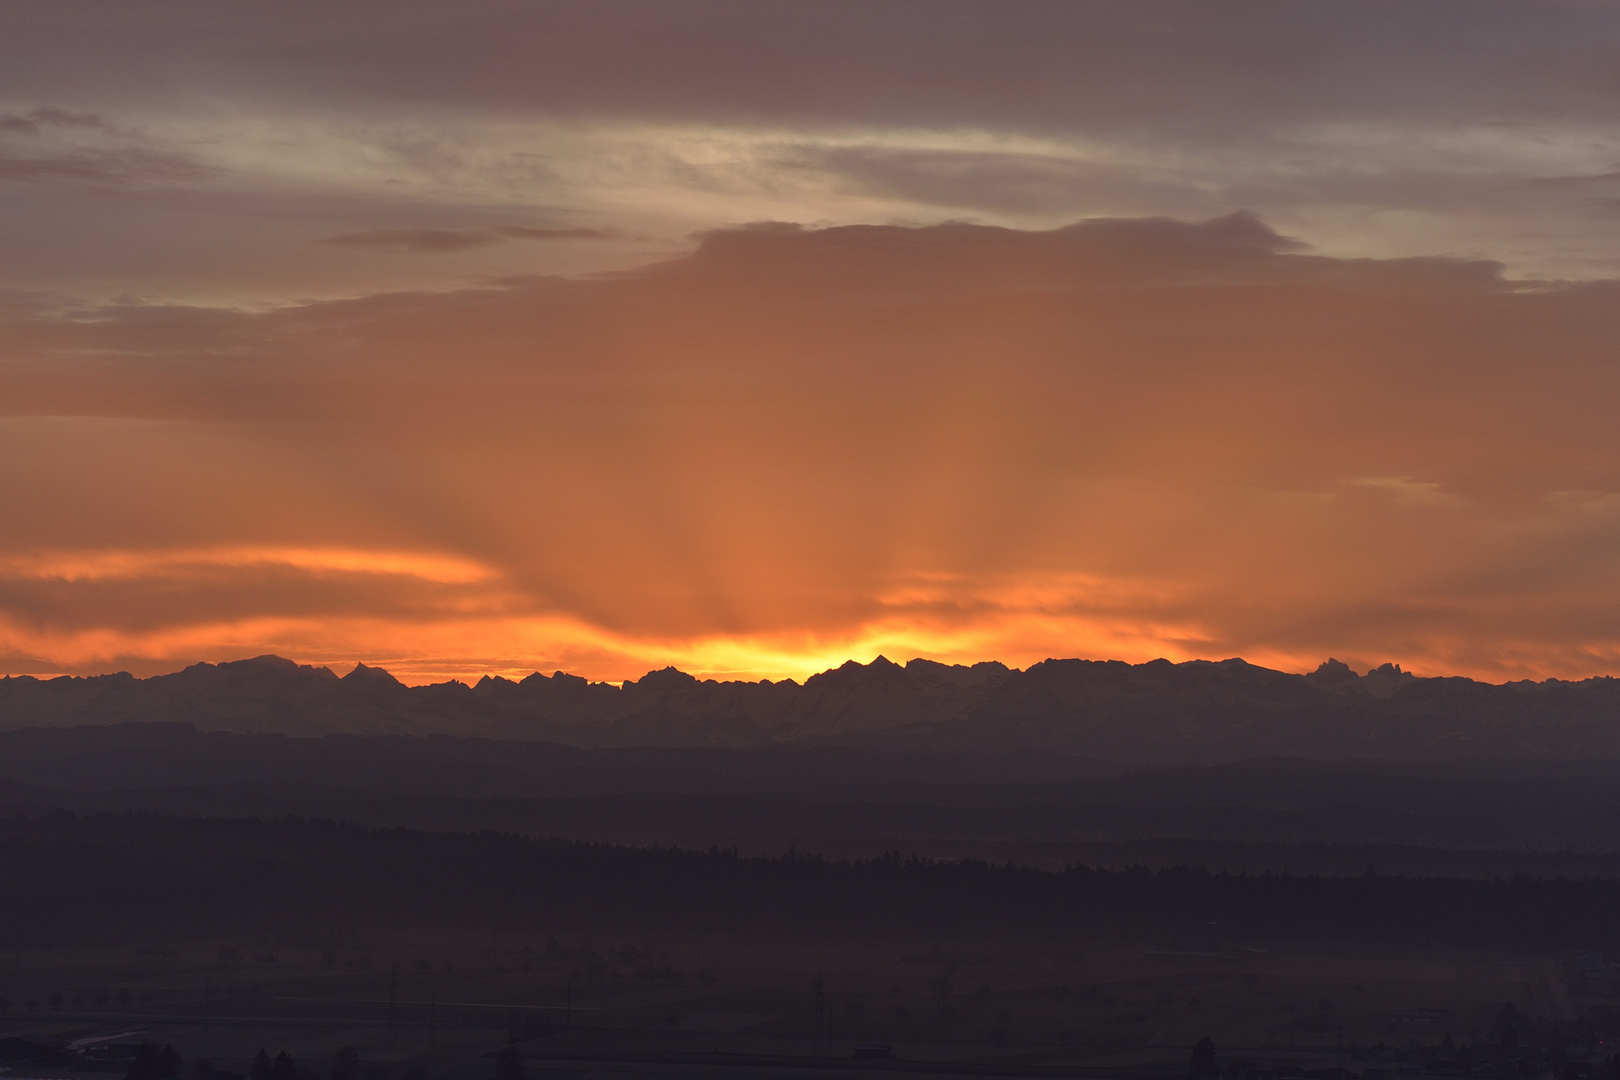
(1198, 712)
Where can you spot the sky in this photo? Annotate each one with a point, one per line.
(489, 337)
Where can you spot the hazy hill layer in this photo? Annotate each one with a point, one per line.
(1153, 713)
(1466, 817)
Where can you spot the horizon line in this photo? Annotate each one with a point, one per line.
(1387, 669)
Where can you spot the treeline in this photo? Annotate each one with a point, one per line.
(137, 876)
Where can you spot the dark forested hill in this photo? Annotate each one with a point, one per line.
(1153, 713)
(134, 877)
(1040, 809)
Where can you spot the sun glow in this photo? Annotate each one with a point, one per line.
(467, 650)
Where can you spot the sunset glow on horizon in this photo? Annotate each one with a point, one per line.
(750, 339)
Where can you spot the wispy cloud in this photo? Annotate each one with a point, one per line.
(104, 168)
(1410, 492)
(36, 120)
(59, 147)
(416, 239)
(123, 565)
(440, 240)
(524, 232)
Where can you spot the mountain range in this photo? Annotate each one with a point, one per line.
(1156, 713)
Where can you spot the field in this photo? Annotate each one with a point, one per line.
(444, 1006)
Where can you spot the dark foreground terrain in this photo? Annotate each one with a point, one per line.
(430, 953)
(430, 902)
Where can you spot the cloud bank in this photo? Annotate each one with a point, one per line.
(1124, 438)
(471, 337)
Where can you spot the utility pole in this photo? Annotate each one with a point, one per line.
(821, 1015)
(433, 1019)
(393, 1001)
(568, 1006)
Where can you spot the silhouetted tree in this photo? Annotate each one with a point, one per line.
(346, 1064)
(168, 1063)
(1506, 1026)
(284, 1067)
(207, 1070)
(260, 1069)
(1204, 1066)
(144, 1066)
(509, 1065)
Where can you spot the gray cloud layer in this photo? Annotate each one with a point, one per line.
(1120, 65)
(1392, 129)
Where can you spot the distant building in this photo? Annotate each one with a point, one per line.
(1422, 1016)
(17, 1050)
(1594, 975)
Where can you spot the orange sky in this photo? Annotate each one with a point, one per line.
(438, 376)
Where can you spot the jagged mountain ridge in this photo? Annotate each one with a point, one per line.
(1152, 713)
